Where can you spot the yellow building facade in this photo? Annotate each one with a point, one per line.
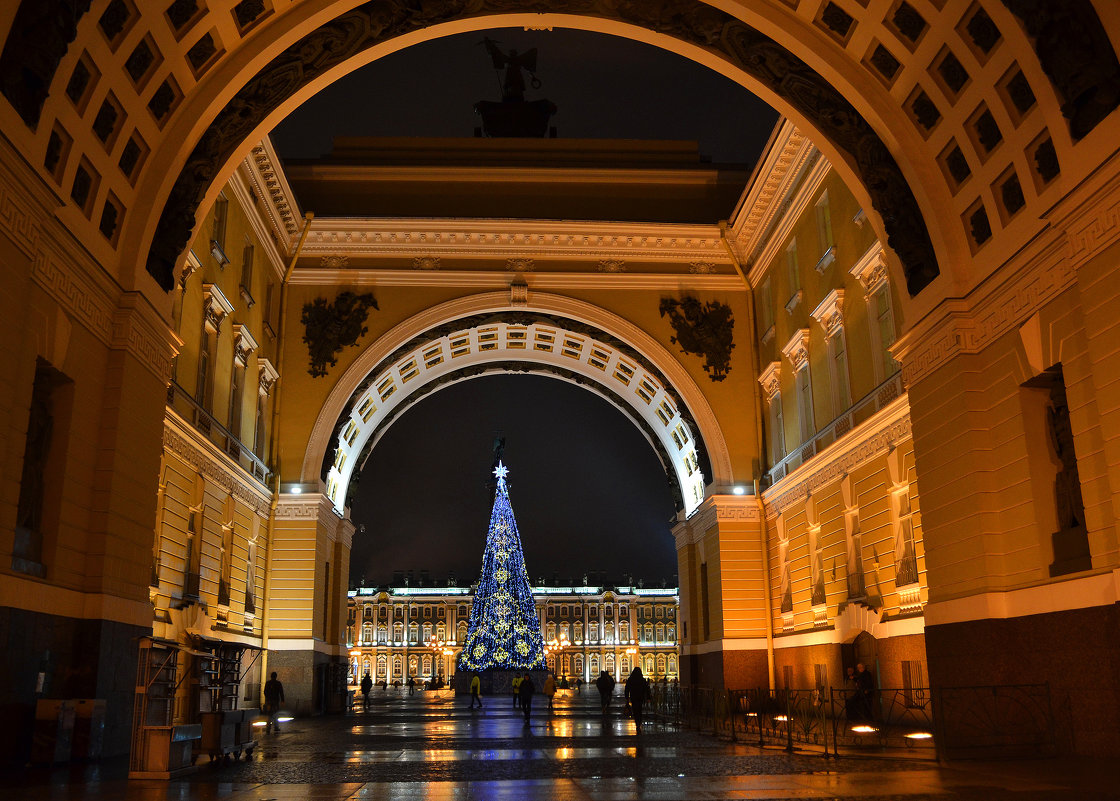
(910, 455)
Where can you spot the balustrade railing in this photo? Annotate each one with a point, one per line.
(205, 423)
(945, 722)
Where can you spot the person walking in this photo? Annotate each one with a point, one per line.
(273, 697)
(605, 685)
(411, 685)
(476, 690)
(637, 693)
(515, 683)
(525, 692)
(367, 685)
(549, 689)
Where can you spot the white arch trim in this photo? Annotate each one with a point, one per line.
(537, 343)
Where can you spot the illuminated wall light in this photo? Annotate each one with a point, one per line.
(864, 729)
(919, 735)
(739, 489)
(296, 489)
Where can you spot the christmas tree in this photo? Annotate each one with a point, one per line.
(504, 632)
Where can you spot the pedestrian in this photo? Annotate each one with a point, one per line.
(579, 685)
(637, 693)
(525, 691)
(411, 685)
(367, 685)
(476, 691)
(605, 685)
(515, 683)
(865, 691)
(273, 697)
(549, 689)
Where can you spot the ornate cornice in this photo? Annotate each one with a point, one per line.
(216, 307)
(271, 186)
(771, 380)
(243, 344)
(796, 350)
(830, 312)
(181, 440)
(410, 239)
(500, 280)
(308, 507)
(266, 376)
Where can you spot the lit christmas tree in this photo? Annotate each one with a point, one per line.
(504, 632)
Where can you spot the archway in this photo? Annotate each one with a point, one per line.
(279, 73)
(562, 336)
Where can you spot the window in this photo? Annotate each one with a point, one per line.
(236, 398)
(787, 676)
(413, 633)
(913, 684)
(905, 549)
(218, 232)
(649, 632)
(247, 255)
(382, 634)
(820, 679)
(805, 404)
(671, 634)
(426, 633)
(195, 526)
(883, 333)
(367, 633)
(777, 427)
(765, 307)
(793, 274)
(578, 633)
(44, 456)
(672, 664)
(226, 559)
(551, 632)
(398, 633)
(660, 632)
(251, 567)
(624, 633)
(824, 224)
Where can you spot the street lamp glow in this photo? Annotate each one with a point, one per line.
(296, 489)
(739, 489)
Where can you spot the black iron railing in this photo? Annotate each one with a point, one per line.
(205, 423)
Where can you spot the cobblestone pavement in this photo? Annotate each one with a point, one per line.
(431, 746)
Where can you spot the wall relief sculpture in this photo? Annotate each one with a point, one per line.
(330, 327)
(703, 329)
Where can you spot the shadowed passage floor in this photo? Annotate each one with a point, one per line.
(432, 746)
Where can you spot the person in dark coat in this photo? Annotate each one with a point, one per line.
(273, 697)
(865, 691)
(367, 685)
(637, 693)
(605, 684)
(525, 693)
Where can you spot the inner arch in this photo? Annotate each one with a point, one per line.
(575, 352)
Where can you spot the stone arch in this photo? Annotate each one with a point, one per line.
(285, 70)
(604, 352)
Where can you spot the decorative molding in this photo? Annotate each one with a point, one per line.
(518, 294)
(872, 439)
(272, 187)
(334, 262)
(519, 265)
(830, 313)
(266, 376)
(794, 301)
(330, 327)
(139, 330)
(216, 307)
(181, 440)
(512, 239)
(796, 350)
(243, 344)
(797, 189)
(701, 268)
(771, 380)
(425, 263)
(307, 507)
(494, 280)
(871, 269)
(612, 266)
(76, 294)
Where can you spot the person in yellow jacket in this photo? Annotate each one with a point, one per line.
(549, 689)
(476, 691)
(516, 685)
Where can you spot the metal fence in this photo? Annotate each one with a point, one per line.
(946, 722)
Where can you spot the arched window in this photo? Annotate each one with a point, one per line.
(413, 665)
(660, 664)
(461, 631)
(671, 634)
(441, 632)
(624, 633)
(398, 667)
(382, 634)
(367, 633)
(566, 664)
(577, 664)
(661, 632)
(593, 665)
(673, 664)
(624, 665)
(579, 633)
(398, 633)
(381, 665)
(649, 632)
(660, 613)
(427, 633)
(427, 666)
(365, 666)
(649, 664)
(608, 634)
(369, 613)
(413, 633)
(608, 663)
(551, 632)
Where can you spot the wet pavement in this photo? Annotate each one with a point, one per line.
(431, 746)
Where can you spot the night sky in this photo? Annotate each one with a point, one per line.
(604, 87)
(588, 491)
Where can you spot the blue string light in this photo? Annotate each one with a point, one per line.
(504, 631)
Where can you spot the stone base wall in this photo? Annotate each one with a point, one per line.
(1076, 652)
(306, 691)
(79, 659)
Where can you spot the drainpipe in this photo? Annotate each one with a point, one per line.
(273, 437)
(763, 531)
